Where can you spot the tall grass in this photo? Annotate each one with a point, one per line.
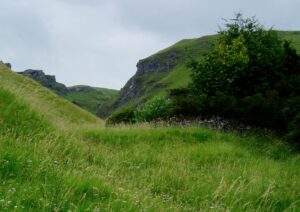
(44, 167)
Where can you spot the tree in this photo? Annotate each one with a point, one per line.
(251, 76)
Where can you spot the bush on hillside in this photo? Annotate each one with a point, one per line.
(125, 116)
(251, 76)
(152, 110)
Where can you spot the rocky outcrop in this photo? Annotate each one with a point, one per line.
(152, 75)
(155, 64)
(47, 81)
(159, 63)
(86, 97)
(8, 65)
(163, 63)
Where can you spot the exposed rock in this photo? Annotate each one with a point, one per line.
(8, 65)
(152, 73)
(159, 63)
(86, 97)
(47, 81)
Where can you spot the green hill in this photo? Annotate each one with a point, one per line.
(166, 70)
(89, 98)
(86, 97)
(54, 156)
(59, 111)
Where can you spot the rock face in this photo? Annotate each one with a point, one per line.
(86, 97)
(158, 73)
(159, 63)
(146, 67)
(8, 65)
(47, 81)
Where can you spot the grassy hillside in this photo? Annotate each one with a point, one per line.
(292, 36)
(59, 111)
(89, 98)
(56, 157)
(159, 82)
(86, 97)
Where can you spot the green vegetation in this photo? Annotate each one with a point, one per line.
(291, 36)
(251, 76)
(159, 83)
(86, 97)
(156, 108)
(49, 164)
(89, 98)
(55, 156)
(57, 110)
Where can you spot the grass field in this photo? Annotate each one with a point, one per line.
(56, 157)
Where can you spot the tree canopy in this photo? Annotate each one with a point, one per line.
(251, 76)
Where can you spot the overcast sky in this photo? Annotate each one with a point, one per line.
(99, 42)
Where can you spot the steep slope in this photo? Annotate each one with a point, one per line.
(59, 111)
(86, 97)
(159, 72)
(48, 81)
(41, 167)
(167, 70)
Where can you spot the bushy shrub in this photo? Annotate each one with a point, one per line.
(154, 109)
(125, 116)
(251, 76)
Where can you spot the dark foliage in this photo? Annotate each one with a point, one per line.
(125, 116)
(251, 76)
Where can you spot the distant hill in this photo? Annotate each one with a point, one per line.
(166, 70)
(87, 97)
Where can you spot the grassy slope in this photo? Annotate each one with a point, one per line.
(127, 169)
(293, 36)
(58, 110)
(141, 168)
(44, 168)
(91, 100)
(159, 84)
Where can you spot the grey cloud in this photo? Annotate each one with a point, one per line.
(98, 42)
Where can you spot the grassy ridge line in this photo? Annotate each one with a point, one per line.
(58, 110)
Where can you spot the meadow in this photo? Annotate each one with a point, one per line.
(56, 157)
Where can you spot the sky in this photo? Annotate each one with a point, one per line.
(99, 42)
